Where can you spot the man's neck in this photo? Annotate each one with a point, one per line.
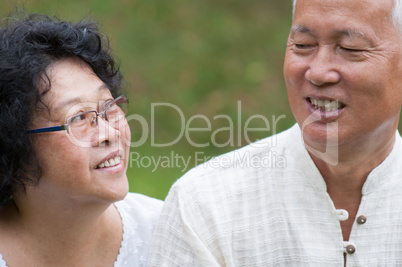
(353, 167)
(346, 179)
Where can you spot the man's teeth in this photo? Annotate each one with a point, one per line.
(326, 105)
(110, 162)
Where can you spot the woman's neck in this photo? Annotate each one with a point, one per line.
(67, 234)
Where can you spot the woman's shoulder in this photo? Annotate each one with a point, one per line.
(140, 207)
(2, 262)
(139, 214)
(141, 202)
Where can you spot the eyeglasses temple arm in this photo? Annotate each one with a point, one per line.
(49, 129)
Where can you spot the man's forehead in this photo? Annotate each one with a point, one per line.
(356, 5)
(357, 18)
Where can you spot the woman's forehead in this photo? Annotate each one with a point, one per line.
(73, 81)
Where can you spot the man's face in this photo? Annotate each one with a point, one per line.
(343, 70)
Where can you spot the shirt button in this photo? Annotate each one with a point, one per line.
(342, 215)
(361, 219)
(350, 249)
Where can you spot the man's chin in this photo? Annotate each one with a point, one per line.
(322, 143)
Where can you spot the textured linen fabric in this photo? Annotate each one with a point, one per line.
(266, 205)
(139, 214)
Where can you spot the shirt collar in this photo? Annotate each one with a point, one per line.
(389, 169)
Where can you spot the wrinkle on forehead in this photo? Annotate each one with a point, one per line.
(375, 8)
(360, 18)
(346, 32)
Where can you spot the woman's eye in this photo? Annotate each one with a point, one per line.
(107, 103)
(78, 118)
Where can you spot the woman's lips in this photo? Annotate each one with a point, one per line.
(111, 160)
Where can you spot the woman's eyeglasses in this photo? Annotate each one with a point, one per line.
(84, 123)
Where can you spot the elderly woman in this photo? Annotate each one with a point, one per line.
(64, 148)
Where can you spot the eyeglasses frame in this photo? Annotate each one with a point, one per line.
(65, 126)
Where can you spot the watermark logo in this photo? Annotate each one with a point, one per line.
(331, 153)
(271, 160)
(236, 128)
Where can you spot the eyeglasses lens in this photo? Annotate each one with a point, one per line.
(83, 125)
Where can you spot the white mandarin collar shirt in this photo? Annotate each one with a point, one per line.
(266, 205)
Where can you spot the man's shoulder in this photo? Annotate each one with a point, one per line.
(264, 157)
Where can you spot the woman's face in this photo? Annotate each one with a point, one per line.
(70, 165)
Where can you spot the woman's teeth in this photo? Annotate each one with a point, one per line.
(109, 163)
(326, 105)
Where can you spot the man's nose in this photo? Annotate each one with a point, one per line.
(322, 69)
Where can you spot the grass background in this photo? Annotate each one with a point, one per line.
(203, 56)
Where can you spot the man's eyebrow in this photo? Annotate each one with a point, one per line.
(76, 100)
(352, 33)
(299, 28)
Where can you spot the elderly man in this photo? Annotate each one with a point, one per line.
(338, 199)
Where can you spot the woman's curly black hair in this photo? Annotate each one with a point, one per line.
(28, 45)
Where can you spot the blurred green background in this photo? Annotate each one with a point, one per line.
(203, 57)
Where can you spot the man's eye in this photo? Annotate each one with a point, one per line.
(351, 50)
(303, 46)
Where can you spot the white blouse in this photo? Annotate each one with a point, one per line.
(139, 214)
(267, 205)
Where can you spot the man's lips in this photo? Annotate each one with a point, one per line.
(326, 105)
(324, 110)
